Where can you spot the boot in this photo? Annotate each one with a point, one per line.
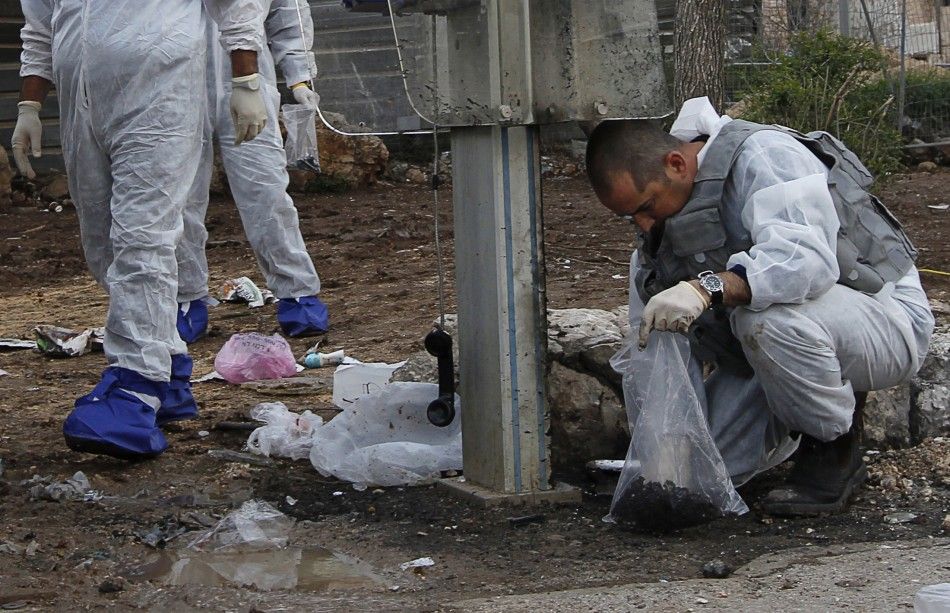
(825, 475)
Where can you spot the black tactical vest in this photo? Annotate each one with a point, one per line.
(872, 247)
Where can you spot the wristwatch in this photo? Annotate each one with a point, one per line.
(712, 283)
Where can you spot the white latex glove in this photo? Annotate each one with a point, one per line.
(27, 136)
(305, 96)
(247, 107)
(672, 310)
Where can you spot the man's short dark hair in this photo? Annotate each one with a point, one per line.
(636, 146)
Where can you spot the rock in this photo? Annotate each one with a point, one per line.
(355, 160)
(112, 585)
(414, 175)
(588, 421)
(422, 367)
(887, 418)
(930, 391)
(919, 151)
(716, 569)
(56, 189)
(586, 339)
(398, 170)
(927, 166)
(298, 179)
(6, 177)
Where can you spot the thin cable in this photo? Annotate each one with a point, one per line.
(404, 73)
(435, 215)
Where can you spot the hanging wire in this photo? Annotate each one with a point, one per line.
(436, 181)
(402, 71)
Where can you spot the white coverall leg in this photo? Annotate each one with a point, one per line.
(810, 358)
(256, 170)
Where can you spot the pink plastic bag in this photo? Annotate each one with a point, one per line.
(253, 356)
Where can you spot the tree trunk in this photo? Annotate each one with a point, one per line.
(699, 46)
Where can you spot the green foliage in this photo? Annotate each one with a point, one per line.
(832, 83)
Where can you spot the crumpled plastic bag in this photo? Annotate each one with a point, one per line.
(301, 142)
(674, 475)
(253, 356)
(255, 525)
(386, 439)
(286, 434)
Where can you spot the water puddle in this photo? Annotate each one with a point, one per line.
(309, 570)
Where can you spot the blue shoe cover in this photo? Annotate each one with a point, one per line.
(305, 316)
(111, 421)
(178, 403)
(193, 324)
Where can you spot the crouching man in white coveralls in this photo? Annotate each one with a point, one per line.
(765, 248)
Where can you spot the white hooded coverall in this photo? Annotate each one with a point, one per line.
(130, 114)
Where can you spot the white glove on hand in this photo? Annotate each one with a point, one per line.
(247, 107)
(305, 96)
(27, 136)
(672, 310)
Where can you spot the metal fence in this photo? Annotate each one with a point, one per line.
(914, 34)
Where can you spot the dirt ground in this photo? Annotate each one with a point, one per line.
(375, 253)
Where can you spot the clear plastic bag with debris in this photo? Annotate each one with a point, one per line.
(255, 525)
(386, 439)
(301, 142)
(674, 475)
(285, 433)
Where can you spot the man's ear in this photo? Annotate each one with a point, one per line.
(675, 163)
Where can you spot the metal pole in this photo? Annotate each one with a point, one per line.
(902, 77)
(844, 18)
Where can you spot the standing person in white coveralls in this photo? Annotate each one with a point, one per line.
(257, 176)
(765, 248)
(126, 73)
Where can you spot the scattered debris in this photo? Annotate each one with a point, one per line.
(236, 426)
(939, 207)
(211, 376)
(255, 525)
(203, 433)
(900, 518)
(243, 289)
(716, 569)
(227, 455)
(290, 500)
(16, 344)
(526, 519)
(58, 342)
(252, 356)
(44, 488)
(112, 585)
(417, 563)
(162, 533)
(6, 547)
(286, 434)
(4, 373)
(321, 360)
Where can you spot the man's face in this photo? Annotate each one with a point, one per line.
(657, 200)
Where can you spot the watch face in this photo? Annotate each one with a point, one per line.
(711, 283)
